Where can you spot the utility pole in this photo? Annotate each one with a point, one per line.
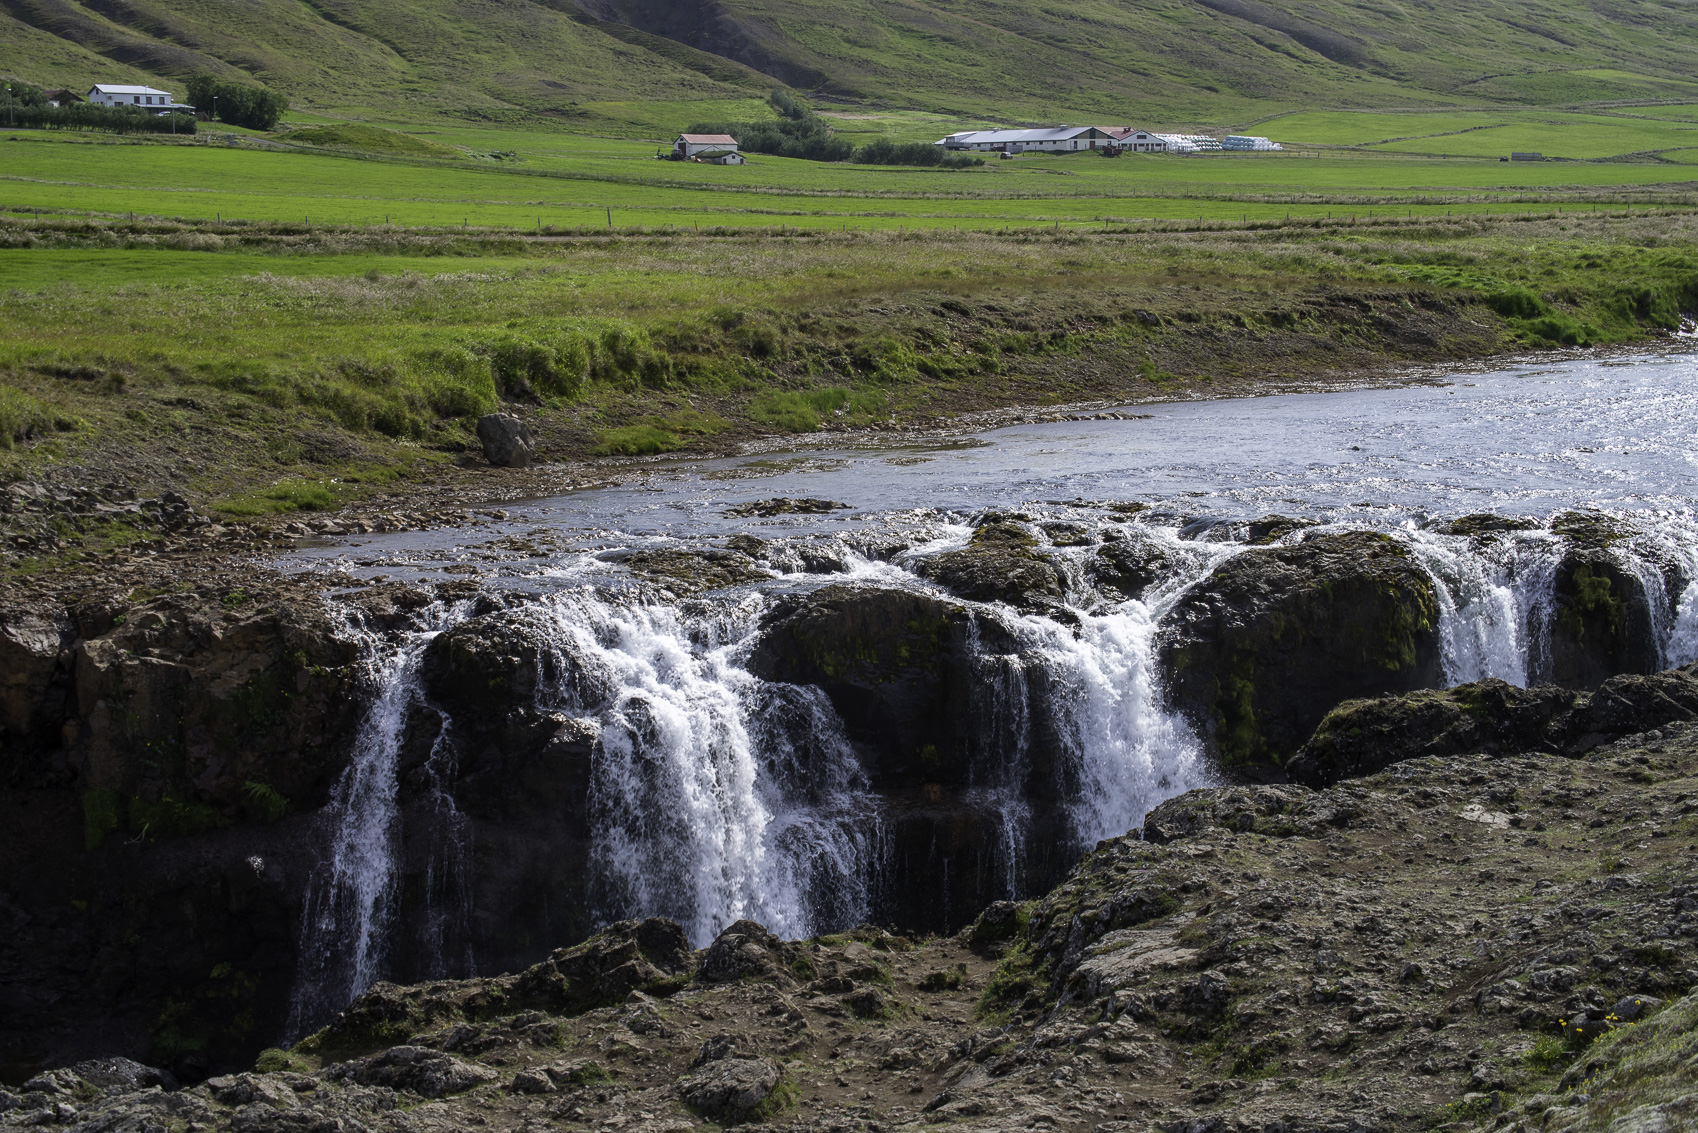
(9, 122)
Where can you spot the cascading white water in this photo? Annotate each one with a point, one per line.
(351, 899)
(1494, 601)
(714, 796)
(1665, 552)
(1496, 596)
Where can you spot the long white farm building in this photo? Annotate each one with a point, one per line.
(1054, 139)
(1112, 139)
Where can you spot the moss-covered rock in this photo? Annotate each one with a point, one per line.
(1361, 737)
(1259, 651)
(1600, 621)
(899, 667)
(1000, 563)
(1126, 566)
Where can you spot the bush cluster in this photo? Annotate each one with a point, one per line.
(886, 152)
(111, 119)
(254, 108)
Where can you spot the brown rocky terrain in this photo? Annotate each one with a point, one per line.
(1458, 941)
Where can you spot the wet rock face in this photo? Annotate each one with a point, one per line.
(162, 761)
(1257, 653)
(485, 665)
(1601, 622)
(1126, 567)
(899, 667)
(999, 564)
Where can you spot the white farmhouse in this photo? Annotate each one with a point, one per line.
(142, 98)
(720, 149)
(1053, 139)
(1130, 139)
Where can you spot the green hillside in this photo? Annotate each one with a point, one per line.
(640, 67)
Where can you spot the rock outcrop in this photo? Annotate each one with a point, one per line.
(904, 671)
(1435, 945)
(1000, 563)
(1364, 736)
(1257, 653)
(161, 759)
(1600, 621)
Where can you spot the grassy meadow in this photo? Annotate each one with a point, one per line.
(512, 179)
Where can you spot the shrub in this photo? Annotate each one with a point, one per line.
(263, 801)
(886, 152)
(636, 440)
(21, 417)
(111, 119)
(1516, 303)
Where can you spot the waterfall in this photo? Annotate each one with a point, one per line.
(1494, 602)
(351, 899)
(1496, 596)
(714, 796)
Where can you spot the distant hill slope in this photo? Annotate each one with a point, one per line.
(1217, 61)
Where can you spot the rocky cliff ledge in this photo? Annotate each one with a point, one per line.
(1461, 941)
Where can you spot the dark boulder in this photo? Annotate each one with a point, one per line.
(730, 1087)
(684, 572)
(746, 950)
(999, 564)
(484, 665)
(1262, 649)
(1485, 523)
(900, 668)
(506, 441)
(1124, 568)
(1633, 702)
(783, 505)
(1273, 528)
(650, 955)
(1600, 621)
(417, 1069)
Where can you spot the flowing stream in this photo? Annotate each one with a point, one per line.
(715, 795)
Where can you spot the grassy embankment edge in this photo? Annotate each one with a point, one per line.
(627, 346)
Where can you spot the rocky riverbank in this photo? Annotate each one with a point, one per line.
(1461, 941)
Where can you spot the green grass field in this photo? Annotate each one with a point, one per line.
(570, 183)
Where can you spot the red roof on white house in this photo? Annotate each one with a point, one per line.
(708, 139)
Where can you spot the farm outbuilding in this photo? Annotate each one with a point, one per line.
(1053, 139)
(716, 148)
